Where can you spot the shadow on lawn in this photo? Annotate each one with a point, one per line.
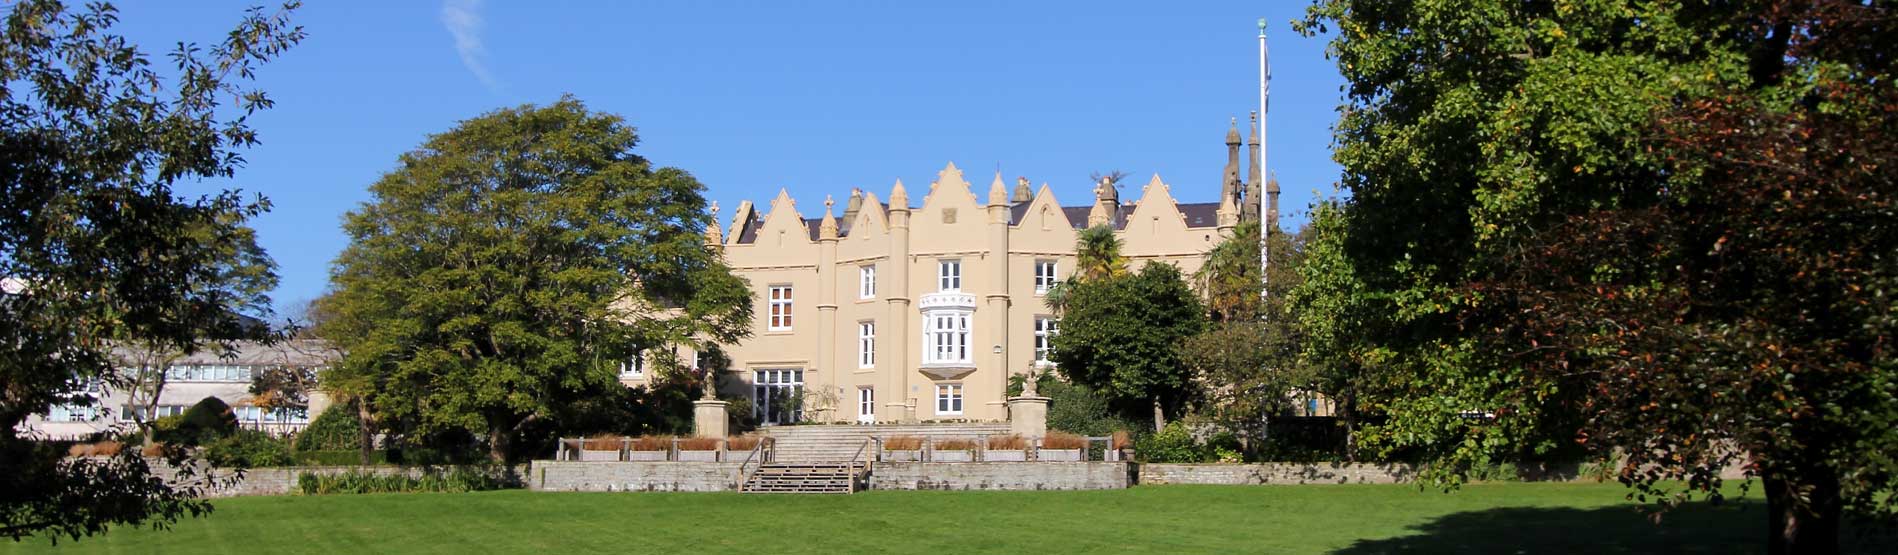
(1733, 527)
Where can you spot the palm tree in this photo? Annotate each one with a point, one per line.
(1097, 254)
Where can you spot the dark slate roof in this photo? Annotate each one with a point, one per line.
(1196, 214)
(1200, 214)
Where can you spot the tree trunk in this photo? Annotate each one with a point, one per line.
(1159, 415)
(1812, 529)
(365, 427)
(1350, 416)
(499, 436)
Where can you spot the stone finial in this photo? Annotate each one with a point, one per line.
(998, 193)
(1232, 133)
(714, 235)
(899, 197)
(827, 229)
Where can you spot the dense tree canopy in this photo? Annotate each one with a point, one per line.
(507, 267)
(1661, 229)
(1122, 336)
(97, 249)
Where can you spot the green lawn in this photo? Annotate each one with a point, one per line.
(1499, 518)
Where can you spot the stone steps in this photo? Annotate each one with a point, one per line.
(781, 477)
(844, 442)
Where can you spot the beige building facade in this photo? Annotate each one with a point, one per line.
(901, 312)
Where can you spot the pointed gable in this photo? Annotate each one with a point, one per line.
(949, 191)
(870, 222)
(1153, 219)
(783, 225)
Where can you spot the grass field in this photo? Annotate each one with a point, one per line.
(1491, 518)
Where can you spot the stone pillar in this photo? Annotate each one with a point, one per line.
(709, 419)
(897, 340)
(999, 286)
(827, 306)
(1028, 416)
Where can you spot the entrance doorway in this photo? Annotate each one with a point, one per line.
(866, 405)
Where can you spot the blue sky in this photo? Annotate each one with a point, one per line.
(754, 96)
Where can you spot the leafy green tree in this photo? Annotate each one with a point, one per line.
(507, 267)
(1658, 229)
(1249, 361)
(1097, 254)
(1122, 336)
(97, 248)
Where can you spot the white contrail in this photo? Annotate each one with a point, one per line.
(463, 20)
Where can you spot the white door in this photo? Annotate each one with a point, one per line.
(866, 405)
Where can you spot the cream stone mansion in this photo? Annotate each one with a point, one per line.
(888, 313)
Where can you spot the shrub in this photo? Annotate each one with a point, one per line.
(1063, 440)
(154, 449)
(336, 428)
(603, 443)
(1008, 442)
(652, 443)
(698, 444)
(460, 479)
(743, 443)
(211, 418)
(903, 443)
(956, 445)
(1173, 444)
(99, 449)
(248, 448)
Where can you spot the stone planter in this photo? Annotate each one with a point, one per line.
(956, 455)
(698, 456)
(591, 455)
(646, 456)
(903, 455)
(1005, 455)
(1060, 455)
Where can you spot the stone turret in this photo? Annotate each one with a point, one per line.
(1230, 188)
(827, 229)
(1272, 202)
(1254, 174)
(1106, 203)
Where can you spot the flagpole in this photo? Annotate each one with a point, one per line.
(1265, 249)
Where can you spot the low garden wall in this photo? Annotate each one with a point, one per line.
(279, 480)
(1276, 473)
(632, 476)
(1001, 475)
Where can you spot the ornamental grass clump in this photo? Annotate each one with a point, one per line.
(357, 481)
(652, 443)
(698, 444)
(1122, 439)
(956, 445)
(743, 443)
(1063, 440)
(903, 443)
(603, 443)
(1007, 442)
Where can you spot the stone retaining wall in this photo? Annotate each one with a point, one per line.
(1001, 475)
(632, 476)
(1275, 473)
(269, 481)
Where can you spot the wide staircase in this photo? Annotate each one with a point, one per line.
(841, 443)
(805, 477)
(837, 458)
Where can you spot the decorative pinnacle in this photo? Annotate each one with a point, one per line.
(828, 203)
(715, 208)
(1261, 26)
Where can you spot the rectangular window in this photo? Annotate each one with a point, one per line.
(949, 275)
(949, 398)
(72, 413)
(867, 281)
(777, 396)
(780, 319)
(634, 368)
(946, 337)
(866, 344)
(1045, 329)
(1044, 275)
